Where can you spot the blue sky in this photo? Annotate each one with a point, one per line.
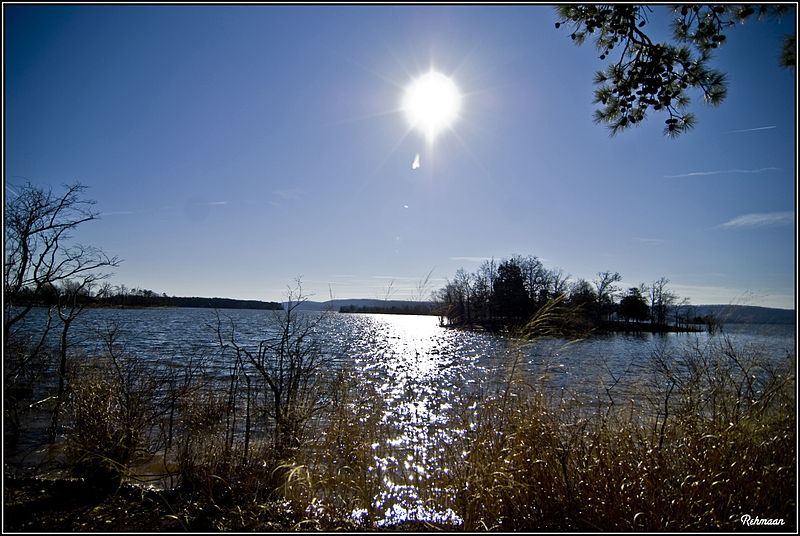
(233, 149)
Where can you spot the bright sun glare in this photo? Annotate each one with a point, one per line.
(431, 103)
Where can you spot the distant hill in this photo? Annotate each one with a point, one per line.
(745, 314)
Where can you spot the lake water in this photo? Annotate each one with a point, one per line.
(420, 369)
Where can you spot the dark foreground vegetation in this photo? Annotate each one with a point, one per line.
(278, 438)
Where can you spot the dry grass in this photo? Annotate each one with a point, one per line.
(336, 473)
(696, 456)
(111, 415)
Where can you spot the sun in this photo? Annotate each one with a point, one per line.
(431, 103)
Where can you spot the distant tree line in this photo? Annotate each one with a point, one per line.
(121, 296)
(506, 294)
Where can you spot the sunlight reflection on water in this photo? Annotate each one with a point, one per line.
(418, 377)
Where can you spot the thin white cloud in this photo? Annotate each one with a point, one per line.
(650, 241)
(395, 277)
(289, 193)
(209, 203)
(117, 213)
(761, 219)
(752, 129)
(721, 172)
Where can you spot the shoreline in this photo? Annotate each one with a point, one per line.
(603, 329)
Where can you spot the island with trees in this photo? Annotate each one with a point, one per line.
(505, 295)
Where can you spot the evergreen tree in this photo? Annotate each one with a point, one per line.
(633, 306)
(658, 76)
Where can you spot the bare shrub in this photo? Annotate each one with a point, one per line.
(112, 413)
(230, 490)
(286, 363)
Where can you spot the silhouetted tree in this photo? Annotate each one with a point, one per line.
(605, 292)
(661, 299)
(559, 282)
(681, 310)
(485, 278)
(650, 75)
(38, 256)
(633, 306)
(450, 304)
(482, 284)
(510, 294)
(537, 278)
(583, 295)
(40, 262)
(463, 284)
